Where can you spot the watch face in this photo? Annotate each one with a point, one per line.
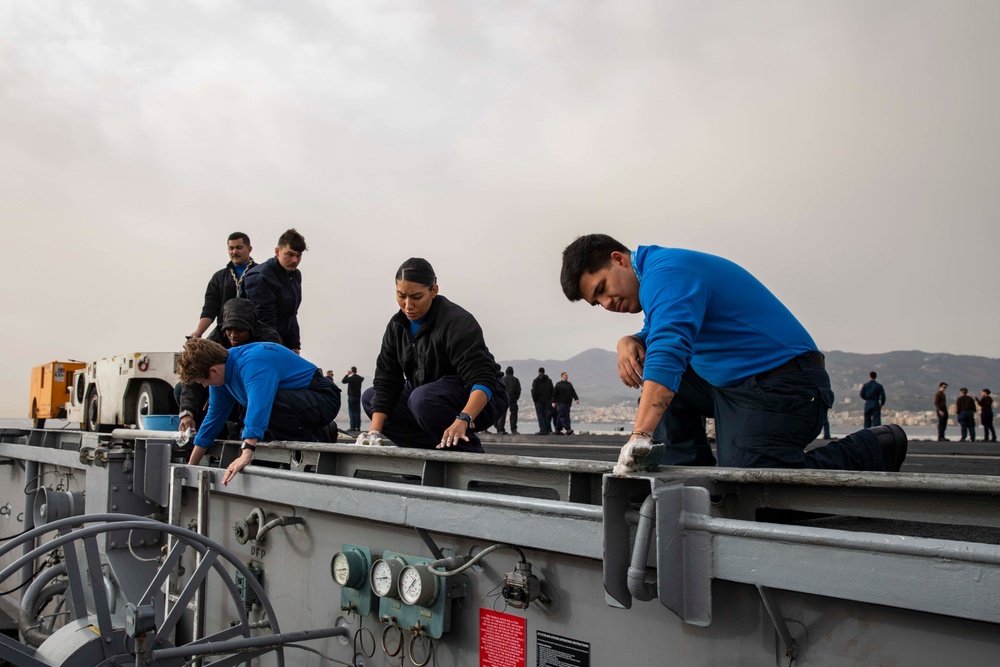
(383, 577)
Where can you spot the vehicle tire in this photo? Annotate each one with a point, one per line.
(154, 398)
(92, 417)
(37, 422)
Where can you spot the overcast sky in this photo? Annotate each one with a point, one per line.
(844, 152)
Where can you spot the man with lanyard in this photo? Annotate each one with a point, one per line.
(225, 283)
(717, 344)
(286, 397)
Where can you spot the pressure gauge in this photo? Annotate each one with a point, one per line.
(417, 586)
(384, 577)
(349, 568)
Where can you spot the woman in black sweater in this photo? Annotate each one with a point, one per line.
(436, 382)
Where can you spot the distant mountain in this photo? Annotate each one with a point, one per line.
(593, 372)
(910, 377)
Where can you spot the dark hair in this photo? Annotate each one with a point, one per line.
(235, 236)
(964, 390)
(417, 270)
(354, 369)
(873, 375)
(587, 254)
(987, 391)
(293, 240)
(510, 371)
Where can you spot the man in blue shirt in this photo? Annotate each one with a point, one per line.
(286, 397)
(874, 396)
(717, 344)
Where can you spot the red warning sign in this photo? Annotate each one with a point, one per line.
(503, 640)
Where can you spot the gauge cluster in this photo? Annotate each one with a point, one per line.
(409, 594)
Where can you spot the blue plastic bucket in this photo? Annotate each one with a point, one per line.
(159, 422)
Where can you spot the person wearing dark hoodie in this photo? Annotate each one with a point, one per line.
(276, 288)
(513, 386)
(541, 394)
(240, 326)
(436, 383)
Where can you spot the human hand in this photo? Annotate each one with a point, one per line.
(632, 452)
(194, 334)
(237, 465)
(631, 355)
(371, 439)
(453, 434)
(187, 424)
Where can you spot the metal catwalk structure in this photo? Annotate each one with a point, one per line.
(117, 553)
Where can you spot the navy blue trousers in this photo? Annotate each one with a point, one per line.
(423, 413)
(761, 424)
(873, 416)
(301, 415)
(986, 417)
(544, 413)
(967, 420)
(354, 412)
(562, 417)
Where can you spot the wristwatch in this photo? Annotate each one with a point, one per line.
(247, 445)
(185, 413)
(464, 416)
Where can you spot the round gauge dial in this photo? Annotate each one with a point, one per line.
(417, 586)
(384, 577)
(349, 568)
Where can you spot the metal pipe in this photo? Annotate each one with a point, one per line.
(26, 621)
(180, 437)
(31, 475)
(280, 521)
(637, 584)
(903, 545)
(204, 487)
(245, 643)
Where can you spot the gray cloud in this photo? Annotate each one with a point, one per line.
(843, 152)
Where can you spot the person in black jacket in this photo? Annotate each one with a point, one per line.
(353, 382)
(436, 382)
(225, 283)
(562, 399)
(513, 386)
(276, 288)
(239, 327)
(541, 395)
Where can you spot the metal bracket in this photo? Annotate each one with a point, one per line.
(683, 557)
(791, 648)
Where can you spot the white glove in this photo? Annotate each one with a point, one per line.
(633, 452)
(371, 439)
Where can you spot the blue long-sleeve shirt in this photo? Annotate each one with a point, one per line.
(874, 394)
(254, 373)
(711, 313)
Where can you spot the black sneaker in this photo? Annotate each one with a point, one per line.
(892, 440)
(569, 432)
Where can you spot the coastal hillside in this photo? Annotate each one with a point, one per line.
(910, 377)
